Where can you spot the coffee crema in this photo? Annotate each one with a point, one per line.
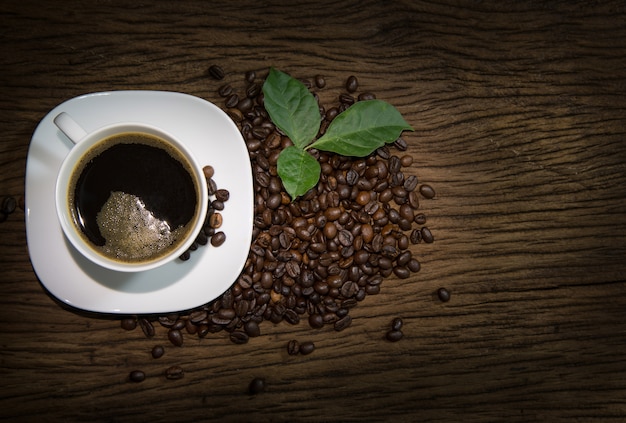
(133, 197)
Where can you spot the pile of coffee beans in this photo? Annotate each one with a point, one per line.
(316, 257)
(213, 221)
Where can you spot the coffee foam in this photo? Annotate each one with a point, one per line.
(132, 232)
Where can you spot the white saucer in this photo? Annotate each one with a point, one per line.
(180, 285)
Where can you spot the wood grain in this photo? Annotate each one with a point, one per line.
(519, 110)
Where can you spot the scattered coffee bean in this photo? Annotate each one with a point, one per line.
(352, 84)
(394, 335)
(176, 337)
(232, 101)
(215, 220)
(307, 348)
(250, 76)
(427, 236)
(427, 191)
(174, 372)
(9, 204)
(128, 323)
(366, 96)
(256, 386)
(225, 90)
(443, 294)
(137, 376)
(343, 323)
(216, 72)
(218, 239)
(239, 337)
(222, 195)
(396, 323)
(320, 82)
(208, 171)
(293, 347)
(146, 327)
(157, 351)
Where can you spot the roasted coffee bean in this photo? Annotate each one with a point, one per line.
(352, 84)
(232, 101)
(128, 323)
(222, 195)
(9, 204)
(316, 321)
(218, 239)
(239, 337)
(413, 265)
(211, 188)
(410, 183)
(250, 76)
(293, 347)
(343, 323)
(215, 220)
(401, 272)
(137, 376)
(396, 324)
(225, 90)
(174, 373)
(401, 144)
(427, 236)
(320, 82)
(307, 347)
(443, 294)
(244, 105)
(253, 90)
(332, 113)
(146, 327)
(256, 386)
(252, 328)
(416, 236)
(346, 99)
(394, 335)
(208, 171)
(175, 336)
(157, 351)
(366, 96)
(427, 191)
(202, 238)
(216, 72)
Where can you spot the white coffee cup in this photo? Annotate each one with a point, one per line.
(83, 145)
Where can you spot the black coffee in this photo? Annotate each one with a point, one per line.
(133, 197)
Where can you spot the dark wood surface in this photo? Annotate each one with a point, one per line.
(520, 116)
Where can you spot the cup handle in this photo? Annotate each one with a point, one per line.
(69, 127)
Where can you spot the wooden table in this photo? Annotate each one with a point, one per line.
(520, 116)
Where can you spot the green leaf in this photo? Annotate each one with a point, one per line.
(291, 107)
(362, 128)
(298, 170)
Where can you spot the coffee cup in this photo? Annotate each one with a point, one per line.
(129, 196)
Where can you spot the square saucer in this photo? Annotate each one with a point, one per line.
(179, 285)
